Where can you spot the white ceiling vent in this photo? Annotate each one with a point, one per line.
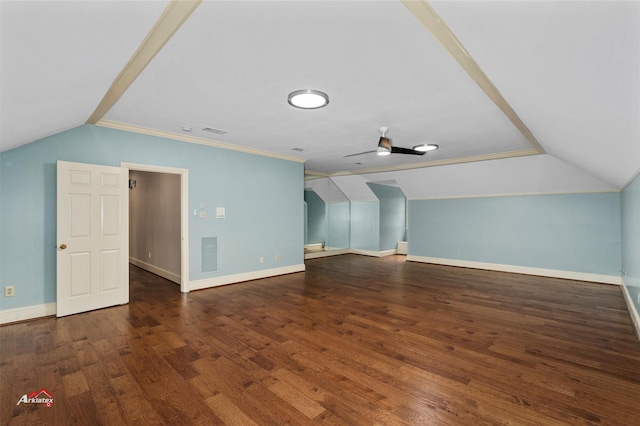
(212, 130)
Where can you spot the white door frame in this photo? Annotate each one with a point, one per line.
(184, 213)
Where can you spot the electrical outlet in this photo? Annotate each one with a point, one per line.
(277, 258)
(9, 291)
(261, 259)
(639, 298)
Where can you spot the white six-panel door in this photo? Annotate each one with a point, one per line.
(92, 237)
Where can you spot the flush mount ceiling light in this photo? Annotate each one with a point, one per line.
(308, 99)
(425, 147)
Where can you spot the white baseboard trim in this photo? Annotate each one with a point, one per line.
(314, 246)
(326, 253)
(246, 276)
(155, 270)
(328, 248)
(635, 318)
(553, 273)
(373, 253)
(28, 312)
(335, 252)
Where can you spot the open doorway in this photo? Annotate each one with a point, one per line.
(158, 221)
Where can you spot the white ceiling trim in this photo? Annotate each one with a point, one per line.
(631, 179)
(311, 175)
(535, 174)
(191, 139)
(430, 19)
(443, 162)
(174, 15)
(515, 194)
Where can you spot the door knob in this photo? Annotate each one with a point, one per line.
(63, 246)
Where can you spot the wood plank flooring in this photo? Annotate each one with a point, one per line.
(352, 341)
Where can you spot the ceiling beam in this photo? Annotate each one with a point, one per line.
(430, 19)
(174, 15)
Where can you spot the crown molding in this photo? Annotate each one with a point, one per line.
(312, 174)
(309, 174)
(631, 179)
(443, 162)
(515, 194)
(192, 139)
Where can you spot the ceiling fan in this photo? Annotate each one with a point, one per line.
(385, 147)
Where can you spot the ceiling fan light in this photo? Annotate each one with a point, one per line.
(384, 146)
(425, 147)
(383, 151)
(308, 99)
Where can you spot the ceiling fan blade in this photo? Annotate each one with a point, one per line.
(399, 150)
(360, 153)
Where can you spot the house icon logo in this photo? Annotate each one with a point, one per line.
(42, 396)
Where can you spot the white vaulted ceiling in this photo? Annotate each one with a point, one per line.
(57, 60)
(547, 91)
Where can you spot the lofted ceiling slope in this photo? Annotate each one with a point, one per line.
(501, 81)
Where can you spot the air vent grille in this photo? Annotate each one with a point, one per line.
(209, 254)
(212, 130)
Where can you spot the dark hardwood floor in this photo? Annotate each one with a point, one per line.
(352, 341)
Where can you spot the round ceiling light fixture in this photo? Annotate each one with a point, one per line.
(425, 147)
(308, 99)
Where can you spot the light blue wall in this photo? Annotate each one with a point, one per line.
(263, 198)
(570, 232)
(316, 218)
(365, 225)
(631, 239)
(393, 207)
(338, 218)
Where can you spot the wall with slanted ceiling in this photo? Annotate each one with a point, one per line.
(564, 232)
(263, 198)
